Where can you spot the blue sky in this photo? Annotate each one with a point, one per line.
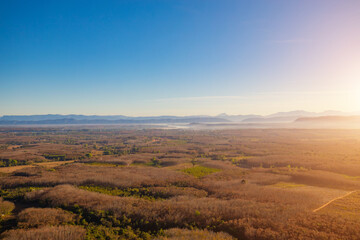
(178, 57)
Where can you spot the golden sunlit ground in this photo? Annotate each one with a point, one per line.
(288, 184)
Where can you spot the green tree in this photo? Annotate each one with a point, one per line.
(155, 162)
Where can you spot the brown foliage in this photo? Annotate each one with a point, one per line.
(6, 207)
(45, 233)
(36, 217)
(178, 211)
(181, 234)
(80, 174)
(172, 191)
(269, 183)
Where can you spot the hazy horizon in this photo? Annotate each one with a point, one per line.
(329, 111)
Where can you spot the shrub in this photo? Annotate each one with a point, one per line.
(6, 207)
(155, 162)
(16, 193)
(9, 162)
(200, 171)
(35, 217)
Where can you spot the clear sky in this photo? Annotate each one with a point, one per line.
(178, 57)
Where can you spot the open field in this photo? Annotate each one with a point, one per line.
(108, 183)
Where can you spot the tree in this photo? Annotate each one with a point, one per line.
(194, 161)
(155, 161)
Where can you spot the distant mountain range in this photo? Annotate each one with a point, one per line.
(95, 119)
(281, 117)
(329, 119)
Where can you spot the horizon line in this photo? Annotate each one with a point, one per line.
(165, 115)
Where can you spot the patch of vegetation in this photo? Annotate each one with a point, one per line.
(200, 171)
(12, 162)
(287, 185)
(218, 157)
(103, 164)
(356, 178)
(13, 194)
(144, 193)
(115, 150)
(177, 142)
(155, 162)
(71, 142)
(56, 157)
(194, 234)
(138, 163)
(104, 225)
(94, 231)
(6, 207)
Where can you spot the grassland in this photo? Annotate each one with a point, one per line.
(200, 171)
(109, 183)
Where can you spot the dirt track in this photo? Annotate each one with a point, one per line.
(326, 204)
